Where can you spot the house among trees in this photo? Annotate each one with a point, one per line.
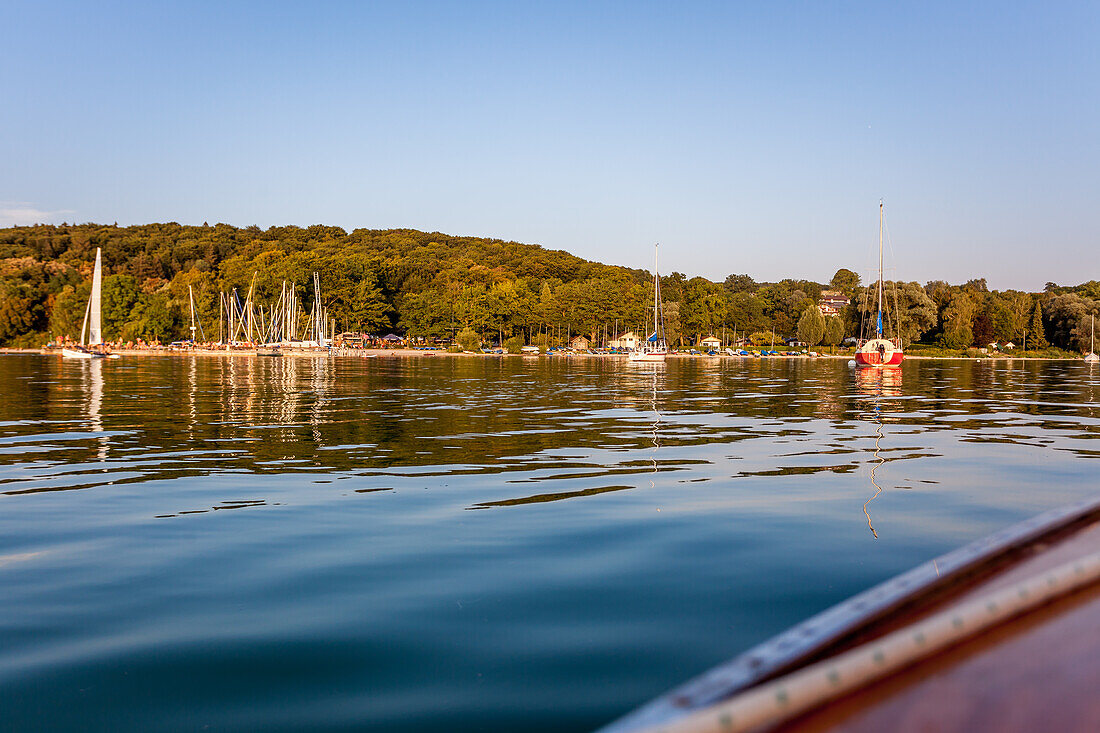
(579, 343)
(627, 340)
(711, 342)
(832, 303)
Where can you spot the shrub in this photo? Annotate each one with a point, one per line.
(468, 340)
(514, 345)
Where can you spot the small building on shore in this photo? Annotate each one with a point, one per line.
(711, 342)
(627, 340)
(579, 343)
(350, 339)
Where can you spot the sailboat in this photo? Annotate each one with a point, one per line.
(194, 323)
(93, 320)
(1091, 357)
(879, 351)
(654, 348)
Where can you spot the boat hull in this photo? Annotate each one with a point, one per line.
(649, 356)
(874, 360)
(879, 353)
(81, 354)
(1014, 566)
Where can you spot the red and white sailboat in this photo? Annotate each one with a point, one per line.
(880, 351)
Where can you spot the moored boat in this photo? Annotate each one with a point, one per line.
(654, 348)
(79, 352)
(1091, 357)
(998, 635)
(879, 351)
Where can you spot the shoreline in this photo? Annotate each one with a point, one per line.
(406, 353)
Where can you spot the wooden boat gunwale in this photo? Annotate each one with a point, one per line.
(831, 630)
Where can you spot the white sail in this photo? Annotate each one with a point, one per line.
(95, 330)
(84, 326)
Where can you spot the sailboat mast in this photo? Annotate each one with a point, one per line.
(656, 286)
(191, 296)
(880, 268)
(248, 308)
(658, 305)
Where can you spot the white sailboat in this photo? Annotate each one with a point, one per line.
(194, 323)
(1091, 357)
(93, 319)
(654, 348)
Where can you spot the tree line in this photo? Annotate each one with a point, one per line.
(433, 285)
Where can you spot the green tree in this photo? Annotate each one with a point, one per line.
(119, 296)
(1083, 334)
(673, 330)
(811, 326)
(514, 345)
(845, 281)
(19, 315)
(67, 313)
(740, 284)
(468, 339)
(760, 338)
(958, 332)
(1064, 314)
(151, 318)
(1036, 337)
(909, 312)
(834, 331)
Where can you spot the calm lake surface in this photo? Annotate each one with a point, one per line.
(470, 544)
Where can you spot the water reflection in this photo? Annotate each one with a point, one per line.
(93, 379)
(577, 426)
(875, 384)
(656, 425)
(253, 531)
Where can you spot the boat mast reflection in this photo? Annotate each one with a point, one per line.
(656, 425)
(874, 385)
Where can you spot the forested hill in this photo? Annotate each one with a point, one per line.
(431, 284)
(371, 280)
(162, 251)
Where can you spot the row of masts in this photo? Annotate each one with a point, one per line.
(282, 324)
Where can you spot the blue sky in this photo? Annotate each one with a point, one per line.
(744, 137)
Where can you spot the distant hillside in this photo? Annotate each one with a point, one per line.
(370, 279)
(432, 284)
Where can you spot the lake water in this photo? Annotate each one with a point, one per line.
(469, 544)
